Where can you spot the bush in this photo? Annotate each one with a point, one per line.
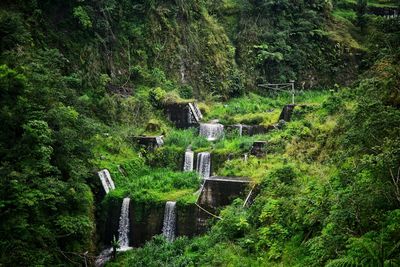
(333, 104)
(156, 97)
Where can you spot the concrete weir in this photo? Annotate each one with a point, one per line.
(219, 191)
(259, 149)
(250, 130)
(184, 115)
(287, 112)
(150, 142)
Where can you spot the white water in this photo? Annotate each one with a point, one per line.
(159, 140)
(248, 198)
(212, 131)
(123, 235)
(240, 129)
(204, 164)
(198, 192)
(169, 224)
(104, 256)
(182, 70)
(188, 164)
(246, 156)
(106, 180)
(195, 111)
(123, 230)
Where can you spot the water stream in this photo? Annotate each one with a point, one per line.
(106, 180)
(212, 131)
(189, 158)
(204, 164)
(123, 230)
(169, 225)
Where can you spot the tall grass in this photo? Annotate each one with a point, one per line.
(256, 109)
(186, 138)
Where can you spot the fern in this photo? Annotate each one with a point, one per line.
(343, 262)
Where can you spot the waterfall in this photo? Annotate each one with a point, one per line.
(182, 70)
(240, 129)
(159, 140)
(123, 235)
(123, 230)
(212, 131)
(248, 198)
(188, 164)
(194, 112)
(246, 157)
(106, 180)
(169, 224)
(204, 164)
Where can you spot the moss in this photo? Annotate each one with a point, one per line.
(344, 32)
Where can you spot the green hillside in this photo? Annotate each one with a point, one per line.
(82, 81)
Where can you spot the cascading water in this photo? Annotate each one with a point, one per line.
(103, 258)
(188, 164)
(106, 180)
(240, 129)
(182, 67)
(204, 164)
(212, 131)
(169, 224)
(123, 230)
(159, 140)
(195, 113)
(123, 235)
(247, 200)
(182, 70)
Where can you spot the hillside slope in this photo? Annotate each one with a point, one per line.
(80, 79)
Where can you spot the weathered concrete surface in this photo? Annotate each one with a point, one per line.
(259, 149)
(287, 112)
(384, 11)
(250, 130)
(219, 191)
(182, 114)
(146, 221)
(108, 221)
(150, 142)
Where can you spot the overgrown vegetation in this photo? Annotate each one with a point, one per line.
(79, 79)
(328, 194)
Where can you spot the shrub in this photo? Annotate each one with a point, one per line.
(156, 97)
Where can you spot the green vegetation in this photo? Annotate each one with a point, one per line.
(321, 199)
(79, 80)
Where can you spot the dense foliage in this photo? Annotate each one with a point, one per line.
(79, 79)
